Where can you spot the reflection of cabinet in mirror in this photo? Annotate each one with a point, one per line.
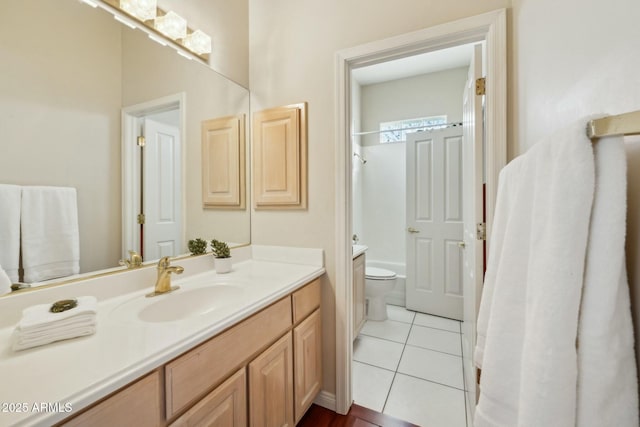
(280, 157)
(359, 301)
(223, 159)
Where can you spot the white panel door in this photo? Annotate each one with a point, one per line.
(434, 222)
(162, 200)
(472, 131)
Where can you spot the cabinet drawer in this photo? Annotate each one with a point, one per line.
(226, 406)
(136, 405)
(306, 300)
(198, 371)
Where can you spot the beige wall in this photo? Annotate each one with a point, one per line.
(292, 48)
(57, 127)
(572, 59)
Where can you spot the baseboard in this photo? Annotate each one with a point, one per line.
(326, 400)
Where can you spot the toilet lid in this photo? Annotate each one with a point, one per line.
(379, 273)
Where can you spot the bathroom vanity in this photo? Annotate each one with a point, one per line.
(245, 351)
(359, 299)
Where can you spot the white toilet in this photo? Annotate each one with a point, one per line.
(378, 283)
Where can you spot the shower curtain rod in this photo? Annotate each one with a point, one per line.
(433, 127)
(622, 124)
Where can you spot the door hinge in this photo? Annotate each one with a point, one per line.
(141, 219)
(481, 231)
(141, 141)
(480, 86)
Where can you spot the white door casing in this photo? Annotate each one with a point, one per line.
(162, 178)
(434, 222)
(473, 268)
(132, 119)
(490, 27)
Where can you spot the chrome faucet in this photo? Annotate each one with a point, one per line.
(163, 284)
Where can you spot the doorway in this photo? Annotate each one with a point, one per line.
(153, 155)
(490, 28)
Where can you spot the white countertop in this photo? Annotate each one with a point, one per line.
(83, 370)
(358, 250)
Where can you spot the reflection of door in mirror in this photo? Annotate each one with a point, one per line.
(161, 181)
(153, 178)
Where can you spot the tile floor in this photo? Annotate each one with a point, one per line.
(410, 367)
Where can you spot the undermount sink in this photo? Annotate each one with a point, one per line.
(180, 304)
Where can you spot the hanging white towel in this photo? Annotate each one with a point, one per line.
(607, 382)
(528, 319)
(5, 282)
(10, 229)
(50, 235)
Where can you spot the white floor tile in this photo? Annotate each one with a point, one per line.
(433, 366)
(387, 329)
(378, 352)
(400, 314)
(371, 385)
(435, 339)
(425, 404)
(437, 322)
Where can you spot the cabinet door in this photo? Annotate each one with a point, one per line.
(307, 349)
(359, 308)
(226, 406)
(271, 386)
(139, 405)
(279, 146)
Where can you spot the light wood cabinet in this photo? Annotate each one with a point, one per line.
(223, 163)
(137, 405)
(191, 375)
(359, 300)
(279, 146)
(307, 350)
(226, 406)
(264, 371)
(271, 386)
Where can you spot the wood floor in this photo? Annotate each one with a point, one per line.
(358, 416)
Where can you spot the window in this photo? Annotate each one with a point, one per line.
(397, 131)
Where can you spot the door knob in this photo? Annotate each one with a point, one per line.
(412, 230)
(461, 245)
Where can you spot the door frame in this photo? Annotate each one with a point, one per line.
(130, 168)
(490, 27)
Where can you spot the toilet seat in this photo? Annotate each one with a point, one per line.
(374, 273)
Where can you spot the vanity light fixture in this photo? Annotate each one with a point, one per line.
(198, 42)
(90, 3)
(184, 55)
(164, 27)
(158, 40)
(171, 25)
(124, 21)
(144, 10)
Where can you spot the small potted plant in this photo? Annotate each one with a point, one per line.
(222, 256)
(197, 246)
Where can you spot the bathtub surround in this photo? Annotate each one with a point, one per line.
(536, 301)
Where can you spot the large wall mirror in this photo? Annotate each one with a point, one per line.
(70, 77)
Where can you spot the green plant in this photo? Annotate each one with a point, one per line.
(220, 249)
(197, 246)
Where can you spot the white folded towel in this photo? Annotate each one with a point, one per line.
(528, 318)
(5, 282)
(50, 233)
(10, 229)
(607, 382)
(39, 326)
